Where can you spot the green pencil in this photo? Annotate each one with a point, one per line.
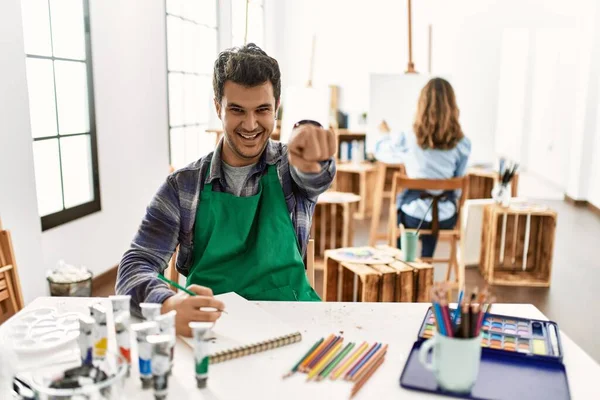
(335, 362)
(308, 353)
(178, 286)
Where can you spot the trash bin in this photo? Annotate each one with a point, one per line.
(70, 281)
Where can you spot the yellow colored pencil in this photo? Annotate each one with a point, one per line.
(302, 367)
(325, 360)
(367, 366)
(342, 368)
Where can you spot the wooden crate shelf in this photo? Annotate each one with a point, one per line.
(386, 280)
(517, 246)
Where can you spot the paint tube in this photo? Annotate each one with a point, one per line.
(120, 304)
(201, 357)
(142, 331)
(161, 353)
(166, 324)
(100, 331)
(150, 310)
(123, 338)
(86, 339)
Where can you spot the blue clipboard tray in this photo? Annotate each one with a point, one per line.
(502, 375)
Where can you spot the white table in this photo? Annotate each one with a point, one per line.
(259, 376)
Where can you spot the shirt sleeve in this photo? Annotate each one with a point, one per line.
(314, 184)
(151, 250)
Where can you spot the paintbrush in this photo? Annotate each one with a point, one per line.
(178, 286)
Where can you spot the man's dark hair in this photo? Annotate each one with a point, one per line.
(249, 66)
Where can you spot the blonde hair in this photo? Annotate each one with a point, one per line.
(436, 122)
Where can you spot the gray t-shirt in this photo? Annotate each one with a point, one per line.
(236, 177)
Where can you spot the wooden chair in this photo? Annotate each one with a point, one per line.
(454, 236)
(383, 190)
(172, 273)
(11, 297)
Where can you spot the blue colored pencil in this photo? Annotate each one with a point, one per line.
(457, 311)
(439, 318)
(366, 358)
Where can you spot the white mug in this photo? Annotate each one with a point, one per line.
(454, 361)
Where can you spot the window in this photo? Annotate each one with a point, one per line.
(61, 105)
(191, 52)
(247, 22)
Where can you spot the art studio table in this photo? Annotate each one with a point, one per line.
(259, 376)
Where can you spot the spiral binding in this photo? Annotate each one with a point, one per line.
(254, 348)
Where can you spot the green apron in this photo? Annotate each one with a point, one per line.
(248, 245)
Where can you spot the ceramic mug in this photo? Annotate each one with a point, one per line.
(409, 242)
(454, 361)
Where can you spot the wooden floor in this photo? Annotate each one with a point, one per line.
(574, 298)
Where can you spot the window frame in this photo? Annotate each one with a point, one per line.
(73, 213)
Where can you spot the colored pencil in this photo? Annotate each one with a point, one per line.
(342, 368)
(327, 370)
(439, 319)
(333, 351)
(362, 370)
(178, 286)
(308, 353)
(302, 367)
(362, 361)
(458, 303)
(446, 317)
(358, 385)
(320, 356)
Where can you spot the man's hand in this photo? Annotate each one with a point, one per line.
(310, 144)
(190, 308)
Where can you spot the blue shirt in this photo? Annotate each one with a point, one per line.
(424, 164)
(171, 217)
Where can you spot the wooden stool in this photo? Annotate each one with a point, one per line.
(385, 279)
(333, 223)
(11, 297)
(360, 179)
(383, 190)
(517, 245)
(482, 181)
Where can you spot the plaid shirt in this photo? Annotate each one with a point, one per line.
(171, 217)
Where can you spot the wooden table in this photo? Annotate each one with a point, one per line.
(259, 376)
(517, 245)
(482, 181)
(333, 223)
(360, 179)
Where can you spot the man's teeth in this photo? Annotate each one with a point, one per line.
(249, 136)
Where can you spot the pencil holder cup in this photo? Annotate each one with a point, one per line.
(501, 194)
(453, 361)
(408, 243)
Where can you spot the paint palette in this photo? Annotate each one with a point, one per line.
(517, 335)
(43, 329)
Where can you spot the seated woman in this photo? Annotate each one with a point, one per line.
(435, 149)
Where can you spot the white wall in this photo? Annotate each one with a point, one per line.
(18, 202)
(128, 47)
(536, 102)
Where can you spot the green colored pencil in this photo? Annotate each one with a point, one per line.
(178, 286)
(335, 362)
(308, 353)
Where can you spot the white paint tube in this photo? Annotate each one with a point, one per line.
(150, 310)
(166, 323)
(86, 338)
(100, 331)
(201, 356)
(142, 331)
(161, 353)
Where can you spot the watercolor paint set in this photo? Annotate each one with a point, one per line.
(499, 332)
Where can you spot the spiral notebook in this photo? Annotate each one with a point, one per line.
(244, 330)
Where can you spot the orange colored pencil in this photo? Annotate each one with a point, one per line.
(302, 367)
(380, 354)
(350, 360)
(358, 385)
